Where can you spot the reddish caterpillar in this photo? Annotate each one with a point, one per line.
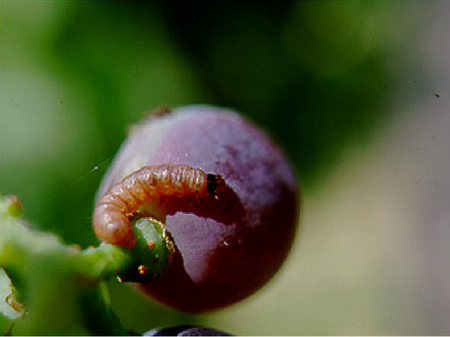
(114, 210)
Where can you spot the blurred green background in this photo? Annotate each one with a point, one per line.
(77, 74)
(318, 76)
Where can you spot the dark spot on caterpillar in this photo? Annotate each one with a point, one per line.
(213, 182)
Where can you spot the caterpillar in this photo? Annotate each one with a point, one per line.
(114, 210)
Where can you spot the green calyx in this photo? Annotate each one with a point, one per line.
(152, 253)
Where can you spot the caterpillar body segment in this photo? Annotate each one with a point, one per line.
(114, 210)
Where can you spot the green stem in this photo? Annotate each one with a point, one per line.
(57, 275)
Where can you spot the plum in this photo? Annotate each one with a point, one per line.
(227, 246)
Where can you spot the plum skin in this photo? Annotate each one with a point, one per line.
(226, 249)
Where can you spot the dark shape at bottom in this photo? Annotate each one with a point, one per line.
(185, 330)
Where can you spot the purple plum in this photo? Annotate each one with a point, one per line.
(229, 246)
